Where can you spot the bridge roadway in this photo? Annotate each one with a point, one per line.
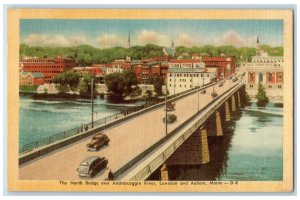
(128, 140)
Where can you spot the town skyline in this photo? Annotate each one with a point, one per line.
(111, 33)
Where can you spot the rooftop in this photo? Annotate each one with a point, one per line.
(185, 61)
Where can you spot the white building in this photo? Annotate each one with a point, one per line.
(267, 70)
(110, 70)
(182, 79)
(186, 63)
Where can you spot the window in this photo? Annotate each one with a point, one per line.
(260, 77)
(279, 77)
(251, 86)
(270, 77)
(170, 85)
(270, 86)
(279, 86)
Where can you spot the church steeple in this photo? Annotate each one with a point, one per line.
(257, 47)
(128, 41)
(173, 46)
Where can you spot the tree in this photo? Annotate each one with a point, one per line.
(85, 85)
(157, 82)
(261, 96)
(120, 85)
(67, 79)
(129, 81)
(115, 86)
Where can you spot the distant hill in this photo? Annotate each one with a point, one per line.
(87, 55)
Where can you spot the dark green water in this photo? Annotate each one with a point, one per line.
(250, 150)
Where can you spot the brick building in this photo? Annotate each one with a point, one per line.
(48, 67)
(145, 70)
(223, 66)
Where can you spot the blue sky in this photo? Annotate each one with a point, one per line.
(107, 33)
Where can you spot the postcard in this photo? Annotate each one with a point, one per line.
(150, 100)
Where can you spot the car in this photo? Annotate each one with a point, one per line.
(214, 94)
(170, 118)
(99, 140)
(203, 92)
(91, 166)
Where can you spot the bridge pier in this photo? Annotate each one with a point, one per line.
(193, 151)
(239, 99)
(215, 125)
(227, 111)
(233, 106)
(219, 130)
(164, 174)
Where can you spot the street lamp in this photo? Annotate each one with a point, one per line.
(92, 99)
(174, 84)
(166, 113)
(145, 92)
(198, 91)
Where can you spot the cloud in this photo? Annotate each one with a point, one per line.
(35, 39)
(148, 36)
(106, 41)
(54, 40)
(235, 39)
(232, 38)
(187, 40)
(57, 40)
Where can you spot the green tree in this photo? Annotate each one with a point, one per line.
(115, 85)
(261, 96)
(130, 80)
(84, 86)
(157, 82)
(67, 79)
(120, 85)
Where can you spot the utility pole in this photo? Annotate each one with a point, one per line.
(92, 99)
(166, 114)
(198, 91)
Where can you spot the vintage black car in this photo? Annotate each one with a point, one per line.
(91, 166)
(203, 92)
(99, 140)
(214, 94)
(170, 118)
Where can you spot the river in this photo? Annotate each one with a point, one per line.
(42, 118)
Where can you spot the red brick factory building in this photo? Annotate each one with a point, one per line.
(48, 67)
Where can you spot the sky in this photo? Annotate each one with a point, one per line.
(114, 32)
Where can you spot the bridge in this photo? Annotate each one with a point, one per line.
(140, 142)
